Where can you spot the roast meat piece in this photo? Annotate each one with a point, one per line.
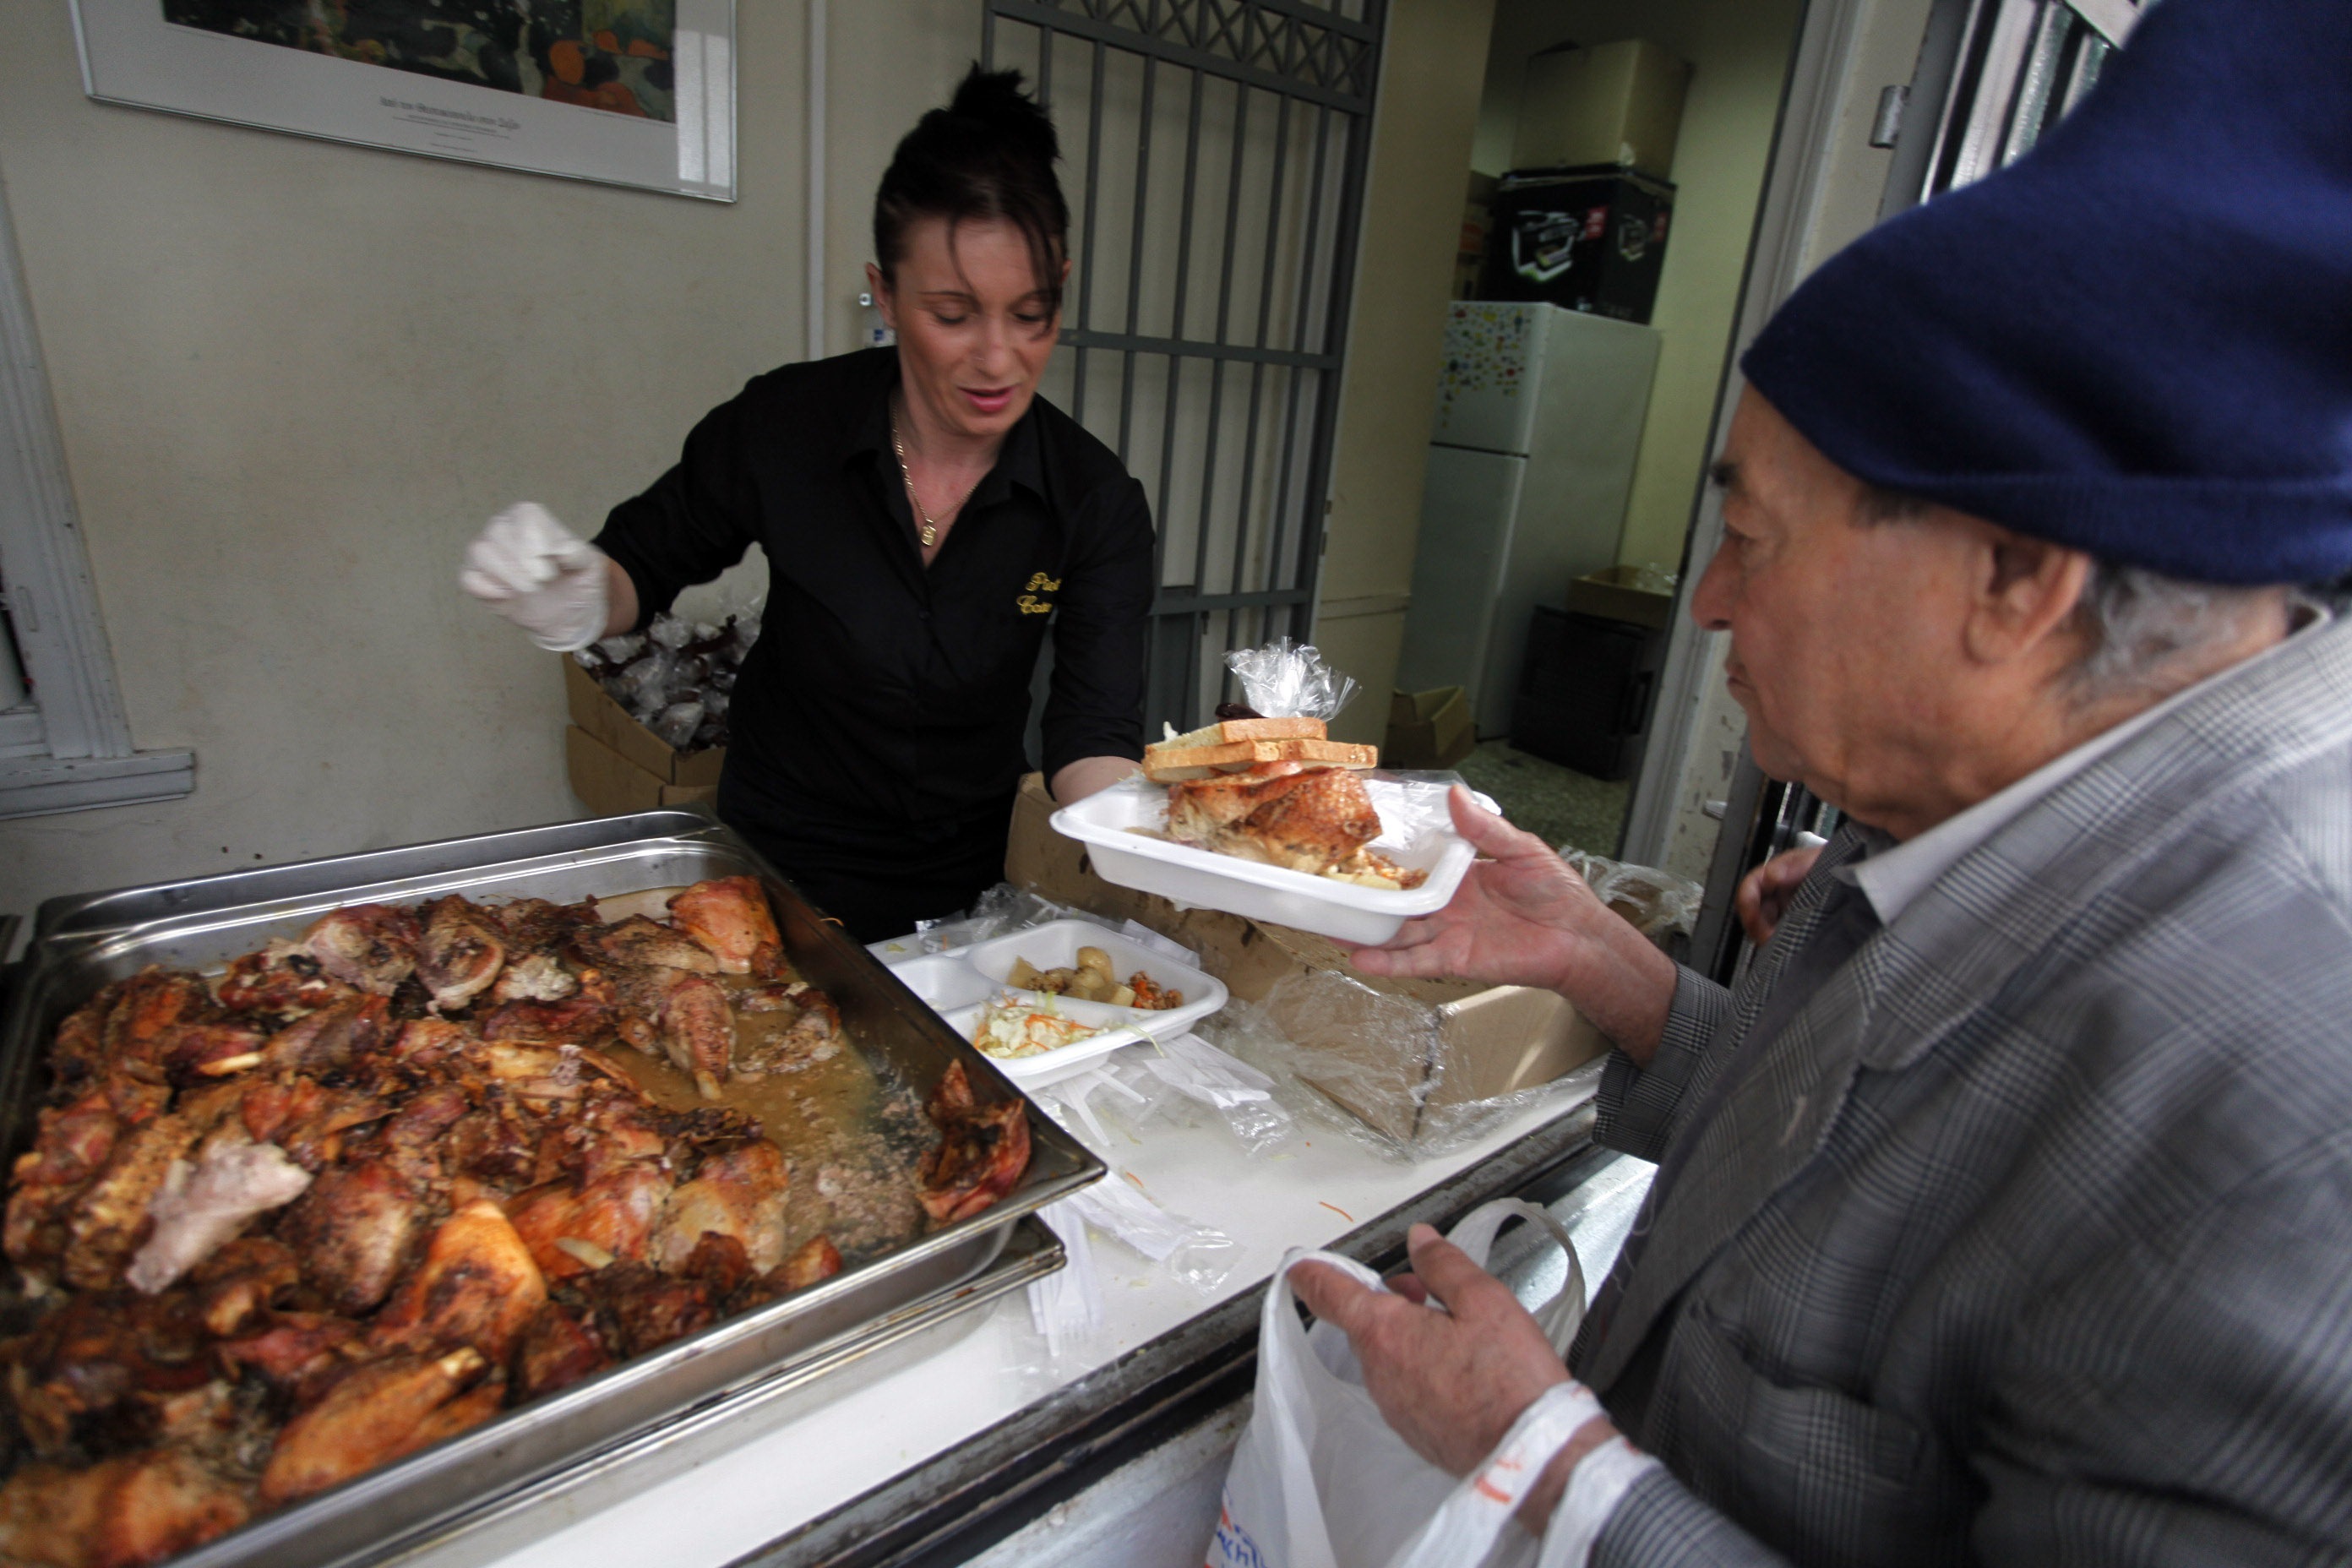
(371, 946)
(739, 1194)
(558, 1349)
(637, 942)
(240, 1281)
(375, 1413)
(203, 1206)
(284, 979)
(982, 1150)
(110, 1219)
(73, 1144)
(354, 1231)
(460, 954)
(730, 916)
(334, 1037)
(571, 1228)
(122, 1512)
(1311, 820)
(298, 1355)
(477, 1286)
(96, 1365)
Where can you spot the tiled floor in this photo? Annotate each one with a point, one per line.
(1561, 805)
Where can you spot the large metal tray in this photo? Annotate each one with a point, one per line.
(80, 944)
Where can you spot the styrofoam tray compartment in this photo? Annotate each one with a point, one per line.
(1055, 944)
(1033, 1073)
(944, 983)
(1107, 821)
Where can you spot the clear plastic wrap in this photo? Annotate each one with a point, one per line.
(1285, 680)
(1384, 1088)
(1659, 904)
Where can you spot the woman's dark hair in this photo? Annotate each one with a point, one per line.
(990, 154)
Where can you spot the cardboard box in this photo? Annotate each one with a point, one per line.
(1591, 239)
(1483, 1040)
(617, 731)
(610, 784)
(1429, 728)
(1618, 593)
(1617, 103)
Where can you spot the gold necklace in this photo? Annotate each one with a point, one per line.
(931, 530)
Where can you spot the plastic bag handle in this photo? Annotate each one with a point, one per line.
(1564, 1313)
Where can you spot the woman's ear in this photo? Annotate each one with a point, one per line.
(880, 287)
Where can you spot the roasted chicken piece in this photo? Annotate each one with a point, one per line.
(284, 980)
(730, 916)
(558, 1348)
(477, 1286)
(196, 1053)
(639, 1308)
(75, 1141)
(123, 1029)
(572, 1228)
(124, 1512)
(697, 1030)
(109, 1219)
(814, 1260)
(371, 946)
(98, 1364)
(460, 954)
(1309, 820)
(375, 1413)
(200, 1206)
(307, 1119)
(578, 1020)
(808, 1032)
(334, 1037)
(739, 1194)
(238, 1283)
(982, 1150)
(298, 1355)
(637, 942)
(354, 1231)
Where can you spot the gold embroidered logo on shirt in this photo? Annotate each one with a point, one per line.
(1029, 604)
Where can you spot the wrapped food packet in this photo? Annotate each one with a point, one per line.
(1285, 680)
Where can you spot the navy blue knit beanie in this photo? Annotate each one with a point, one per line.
(2137, 339)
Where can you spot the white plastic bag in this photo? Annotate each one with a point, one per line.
(1320, 1481)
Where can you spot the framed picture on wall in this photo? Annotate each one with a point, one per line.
(631, 92)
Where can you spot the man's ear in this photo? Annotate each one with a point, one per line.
(2026, 589)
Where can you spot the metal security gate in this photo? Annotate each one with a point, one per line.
(1215, 155)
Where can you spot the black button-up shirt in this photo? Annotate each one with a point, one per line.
(878, 722)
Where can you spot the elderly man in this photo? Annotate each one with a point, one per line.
(2004, 1212)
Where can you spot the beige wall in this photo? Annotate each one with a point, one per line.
(1434, 62)
(1739, 51)
(292, 378)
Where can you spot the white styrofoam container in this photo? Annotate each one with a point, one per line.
(1106, 822)
(957, 982)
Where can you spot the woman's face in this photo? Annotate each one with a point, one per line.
(975, 329)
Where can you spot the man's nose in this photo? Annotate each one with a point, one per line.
(1710, 602)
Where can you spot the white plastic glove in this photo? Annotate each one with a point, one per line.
(541, 575)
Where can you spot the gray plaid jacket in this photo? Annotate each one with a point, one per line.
(2028, 1239)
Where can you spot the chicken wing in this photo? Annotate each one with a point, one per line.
(373, 1415)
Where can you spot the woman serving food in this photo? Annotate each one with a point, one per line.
(926, 517)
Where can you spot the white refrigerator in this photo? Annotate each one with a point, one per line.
(1539, 414)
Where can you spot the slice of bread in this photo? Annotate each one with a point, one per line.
(1169, 761)
(1227, 731)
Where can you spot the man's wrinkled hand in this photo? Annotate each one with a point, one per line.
(1521, 916)
(1450, 1383)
